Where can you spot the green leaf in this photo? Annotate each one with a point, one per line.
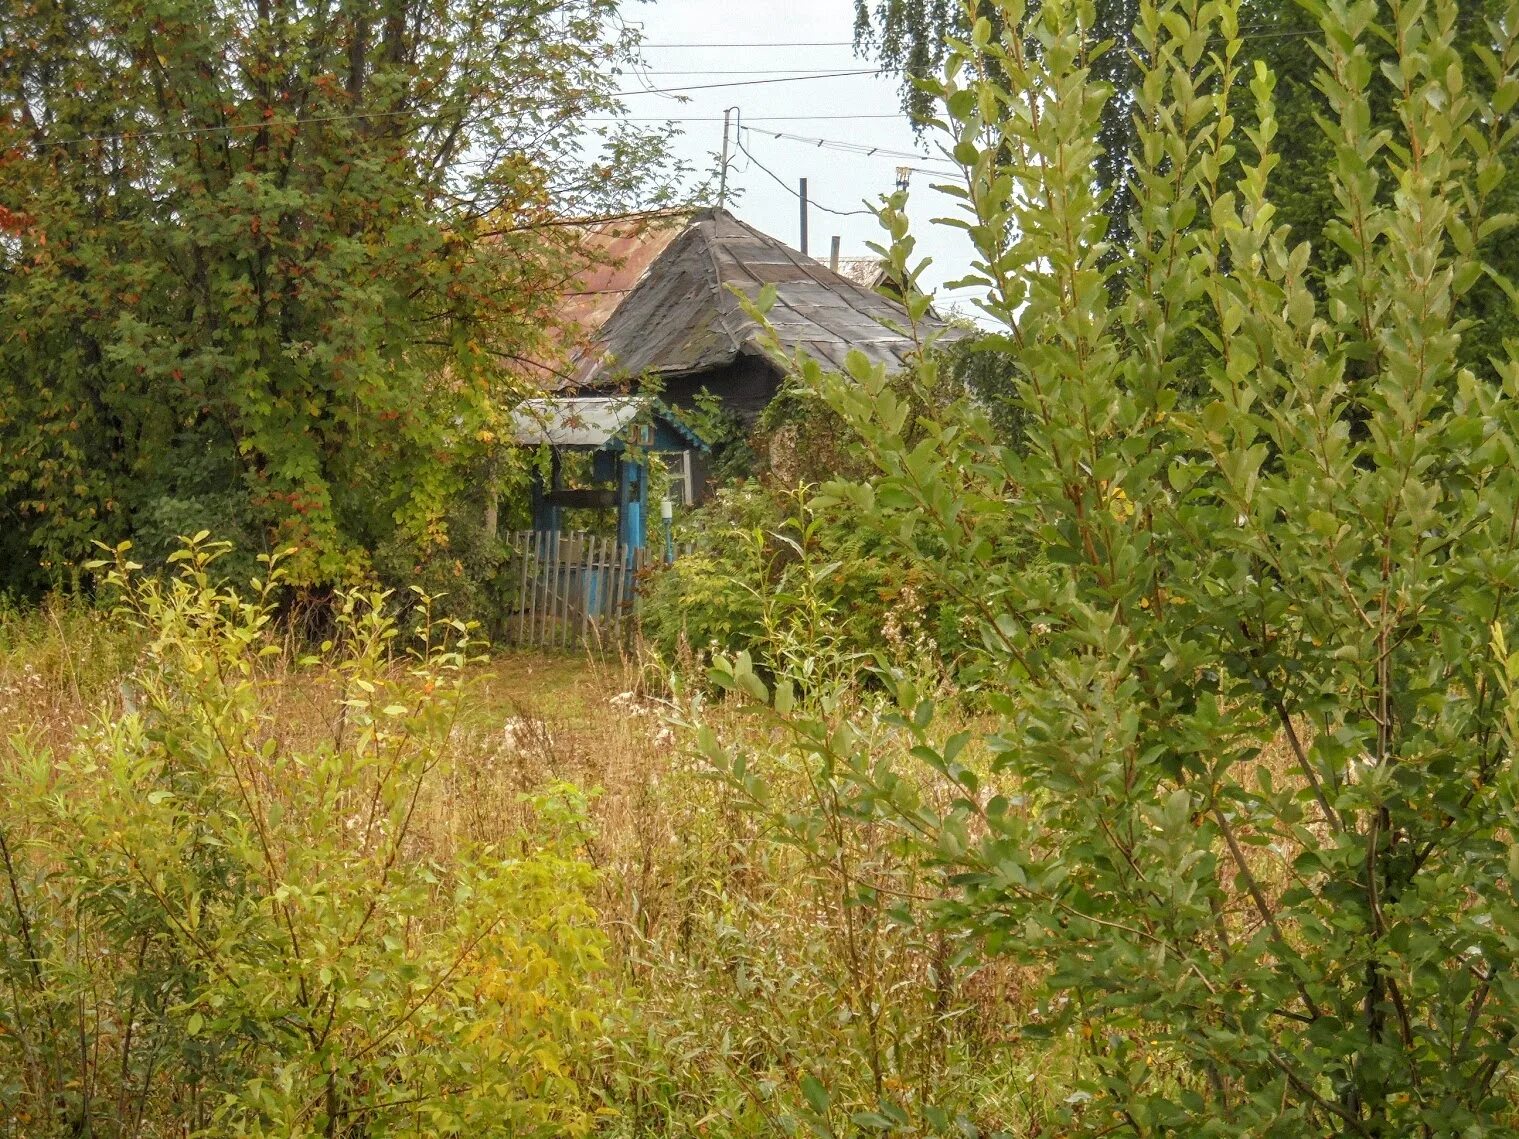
(815, 1094)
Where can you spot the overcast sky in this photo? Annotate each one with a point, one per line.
(860, 110)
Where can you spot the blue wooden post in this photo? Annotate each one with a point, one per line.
(633, 501)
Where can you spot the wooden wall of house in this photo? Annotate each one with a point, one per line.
(746, 387)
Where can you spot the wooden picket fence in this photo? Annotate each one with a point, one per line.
(573, 590)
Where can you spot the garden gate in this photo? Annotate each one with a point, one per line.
(572, 590)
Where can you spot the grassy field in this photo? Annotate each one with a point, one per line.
(678, 959)
(754, 990)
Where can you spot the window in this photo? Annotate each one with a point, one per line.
(682, 486)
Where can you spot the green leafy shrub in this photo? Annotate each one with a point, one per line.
(1248, 805)
(712, 597)
(789, 579)
(222, 918)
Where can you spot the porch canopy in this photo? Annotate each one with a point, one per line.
(602, 423)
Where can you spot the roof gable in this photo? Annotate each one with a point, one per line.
(681, 315)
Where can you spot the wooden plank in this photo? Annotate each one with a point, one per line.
(622, 588)
(609, 600)
(562, 595)
(550, 548)
(550, 567)
(540, 561)
(597, 598)
(609, 610)
(587, 590)
(533, 585)
(640, 563)
(566, 579)
(561, 590)
(629, 598)
(551, 589)
(573, 571)
(525, 610)
(535, 605)
(562, 598)
(608, 587)
(614, 608)
(523, 562)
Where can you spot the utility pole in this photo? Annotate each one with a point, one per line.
(803, 196)
(722, 175)
(833, 253)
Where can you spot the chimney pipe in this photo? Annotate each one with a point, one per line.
(803, 196)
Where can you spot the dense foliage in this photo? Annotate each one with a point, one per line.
(918, 36)
(1248, 586)
(224, 919)
(742, 984)
(268, 268)
(1224, 845)
(770, 575)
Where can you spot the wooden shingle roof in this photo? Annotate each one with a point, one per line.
(681, 316)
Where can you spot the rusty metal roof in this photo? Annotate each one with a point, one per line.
(681, 315)
(618, 254)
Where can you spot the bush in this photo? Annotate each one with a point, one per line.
(712, 598)
(790, 580)
(1248, 805)
(226, 918)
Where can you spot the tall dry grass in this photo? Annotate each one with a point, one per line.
(758, 989)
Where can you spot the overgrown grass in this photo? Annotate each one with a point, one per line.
(757, 989)
(763, 984)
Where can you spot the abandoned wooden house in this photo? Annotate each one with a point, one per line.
(661, 313)
(660, 319)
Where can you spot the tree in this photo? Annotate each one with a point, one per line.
(269, 268)
(916, 37)
(1247, 806)
(1290, 44)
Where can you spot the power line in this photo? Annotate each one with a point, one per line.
(273, 124)
(787, 78)
(746, 82)
(863, 149)
(815, 43)
(1242, 36)
(747, 71)
(748, 118)
(784, 186)
(264, 124)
